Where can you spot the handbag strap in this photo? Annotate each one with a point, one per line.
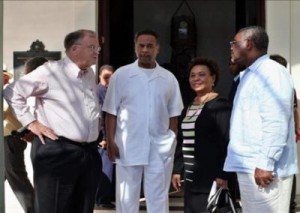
(215, 199)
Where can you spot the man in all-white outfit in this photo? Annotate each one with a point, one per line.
(142, 104)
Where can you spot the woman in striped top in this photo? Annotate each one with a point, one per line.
(203, 138)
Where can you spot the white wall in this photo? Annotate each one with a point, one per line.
(282, 25)
(47, 21)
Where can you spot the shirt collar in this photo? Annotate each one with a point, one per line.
(236, 77)
(73, 69)
(253, 67)
(155, 73)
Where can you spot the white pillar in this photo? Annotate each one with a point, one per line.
(2, 207)
(282, 25)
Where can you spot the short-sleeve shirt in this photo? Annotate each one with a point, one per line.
(143, 106)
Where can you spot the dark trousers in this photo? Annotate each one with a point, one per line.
(107, 185)
(15, 172)
(293, 203)
(65, 176)
(233, 186)
(195, 202)
(106, 190)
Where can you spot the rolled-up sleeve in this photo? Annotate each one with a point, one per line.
(16, 95)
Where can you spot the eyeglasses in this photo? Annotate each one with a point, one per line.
(232, 43)
(94, 48)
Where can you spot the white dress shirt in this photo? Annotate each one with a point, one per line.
(65, 99)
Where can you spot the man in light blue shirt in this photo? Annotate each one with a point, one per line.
(262, 142)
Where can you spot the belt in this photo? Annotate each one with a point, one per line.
(82, 144)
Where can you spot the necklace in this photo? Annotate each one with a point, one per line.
(193, 110)
(204, 100)
(196, 108)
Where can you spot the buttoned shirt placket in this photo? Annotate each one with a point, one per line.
(89, 102)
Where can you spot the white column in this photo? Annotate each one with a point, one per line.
(1, 116)
(282, 25)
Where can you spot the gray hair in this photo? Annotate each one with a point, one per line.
(76, 36)
(257, 35)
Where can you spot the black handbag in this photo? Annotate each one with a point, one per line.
(221, 202)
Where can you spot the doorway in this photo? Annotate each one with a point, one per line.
(115, 26)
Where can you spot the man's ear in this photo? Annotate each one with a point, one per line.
(74, 47)
(158, 48)
(249, 44)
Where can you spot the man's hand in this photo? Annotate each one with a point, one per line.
(40, 130)
(112, 151)
(176, 182)
(28, 137)
(298, 135)
(263, 178)
(103, 144)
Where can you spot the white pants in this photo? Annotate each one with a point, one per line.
(273, 199)
(156, 182)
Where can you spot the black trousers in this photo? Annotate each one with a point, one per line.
(234, 188)
(15, 172)
(195, 202)
(293, 203)
(66, 175)
(106, 189)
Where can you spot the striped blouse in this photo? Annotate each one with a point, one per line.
(188, 133)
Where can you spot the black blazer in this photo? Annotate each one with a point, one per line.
(211, 140)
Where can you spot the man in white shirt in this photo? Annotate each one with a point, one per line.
(64, 154)
(262, 142)
(142, 104)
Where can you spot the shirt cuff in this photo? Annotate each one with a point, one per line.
(25, 120)
(266, 164)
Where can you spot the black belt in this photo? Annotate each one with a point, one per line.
(82, 144)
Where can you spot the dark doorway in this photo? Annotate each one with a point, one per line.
(116, 28)
(117, 19)
(249, 12)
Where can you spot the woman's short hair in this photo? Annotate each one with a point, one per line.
(212, 65)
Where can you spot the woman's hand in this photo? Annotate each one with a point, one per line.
(176, 182)
(221, 183)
